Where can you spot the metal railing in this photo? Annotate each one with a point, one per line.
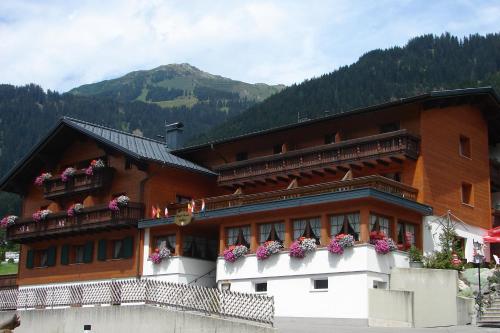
(94, 217)
(252, 307)
(398, 143)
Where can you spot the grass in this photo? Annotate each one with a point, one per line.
(8, 268)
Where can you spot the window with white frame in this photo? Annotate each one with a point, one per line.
(261, 287)
(308, 227)
(238, 236)
(167, 241)
(380, 223)
(272, 232)
(320, 284)
(345, 224)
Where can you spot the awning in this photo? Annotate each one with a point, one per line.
(492, 235)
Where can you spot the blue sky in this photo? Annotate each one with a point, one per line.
(62, 44)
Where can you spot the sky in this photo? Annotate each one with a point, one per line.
(61, 44)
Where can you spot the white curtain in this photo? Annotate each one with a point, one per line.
(315, 225)
(265, 232)
(245, 231)
(410, 228)
(171, 241)
(336, 224)
(299, 226)
(232, 235)
(279, 229)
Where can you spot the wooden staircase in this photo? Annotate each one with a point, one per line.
(491, 316)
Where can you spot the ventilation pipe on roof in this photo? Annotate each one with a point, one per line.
(174, 135)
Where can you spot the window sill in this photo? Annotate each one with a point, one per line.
(41, 267)
(318, 290)
(467, 205)
(466, 157)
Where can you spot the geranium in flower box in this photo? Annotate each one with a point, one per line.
(232, 253)
(8, 220)
(340, 242)
(94, 165)
(384, 246)
(41, 215)
(301, 246)
(118, 202)
(75, 209)
(42, 178)
(67, 174)
(268, 249)
(375, 236)
(158, 255)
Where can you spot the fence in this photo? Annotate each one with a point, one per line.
(210, 301)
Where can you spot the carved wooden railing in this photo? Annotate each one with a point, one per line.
(398, 143)
(373, 182)
(95, 217)
(80, 182)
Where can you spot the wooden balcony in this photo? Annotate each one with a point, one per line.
(356, 153)
(372, 182)
(79, 183)
(93, 218)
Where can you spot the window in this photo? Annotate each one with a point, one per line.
(165, 241)
(465, 146)
(309, 228)
(261, 287)
(43, 257)
(467, 194)
(320, 284)
(199, 247)
(225, 286)
(272, 232)
(380, 224)
(241, 156)
(117, 249)
(379, 284)
(345, 224)
(180, 199)
(78, 253)
(406, 235)
(389, 127)
(238, 236)
(277, 149)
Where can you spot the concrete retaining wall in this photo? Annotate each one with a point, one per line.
(390, 308)
(465, 310)
(119, 319)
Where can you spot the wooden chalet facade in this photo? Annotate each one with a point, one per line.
(393, 168)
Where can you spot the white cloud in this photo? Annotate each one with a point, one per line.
(61, 44)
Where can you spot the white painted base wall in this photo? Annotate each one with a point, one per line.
(179, 269)
(432, 230)
(290, 280)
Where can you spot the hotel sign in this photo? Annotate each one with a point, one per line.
(183, 218)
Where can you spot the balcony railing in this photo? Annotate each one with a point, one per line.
(79, 183)
(395, 144)
(95, 217)
(373, 182)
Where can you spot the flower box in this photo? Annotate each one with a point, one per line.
(268, 249)
(234, 252)
(301, 246)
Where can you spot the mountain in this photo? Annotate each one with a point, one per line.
(425, 63)
(178, 85)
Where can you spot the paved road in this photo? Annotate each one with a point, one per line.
(344, 329)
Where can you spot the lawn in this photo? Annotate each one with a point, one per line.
(7, 268)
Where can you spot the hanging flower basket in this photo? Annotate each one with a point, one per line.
(339, 243)
(268, 249)
(234, 252)
(41, 215)
(42, 178)
(67, 174)
(384, 246)
(300, 247)
(75, 209)
(118, 202)
(94, 165)
(158, 255)
(8, 220)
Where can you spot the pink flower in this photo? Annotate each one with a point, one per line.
(382, 246)
(113, 205)
(229, 255)
(262, 253)
(296, 250)
(335, 248)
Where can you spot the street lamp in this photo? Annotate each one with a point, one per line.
(478, 259)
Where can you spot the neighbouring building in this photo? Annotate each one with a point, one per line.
(394, 170)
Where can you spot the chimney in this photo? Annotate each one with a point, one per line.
(174, 135)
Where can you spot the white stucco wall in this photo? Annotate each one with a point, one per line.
(178, 269)
(290, 280)
(432, 230)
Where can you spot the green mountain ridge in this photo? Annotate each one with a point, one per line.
(177, 85)
(424, 64)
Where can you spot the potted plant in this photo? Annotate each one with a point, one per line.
(415, 257)
(234, 252)
(268, 249)
(301, 246)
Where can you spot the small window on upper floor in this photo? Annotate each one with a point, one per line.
(389, 127)
(465, 146)
(277, 149)
(467, 194)
(241, 156)
(320, 284)
(261, 287)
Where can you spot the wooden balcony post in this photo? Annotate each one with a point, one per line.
(364, 227)
(254, 233)
(325, 226)
(222, 239)
(178, 241)
(288, 232)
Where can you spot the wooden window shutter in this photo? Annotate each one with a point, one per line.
(30, 257)
(101, 250)
(51, 256)
(88, 252)
(128, 247)
(65, 255)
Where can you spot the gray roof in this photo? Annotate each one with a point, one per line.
(133, 145)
